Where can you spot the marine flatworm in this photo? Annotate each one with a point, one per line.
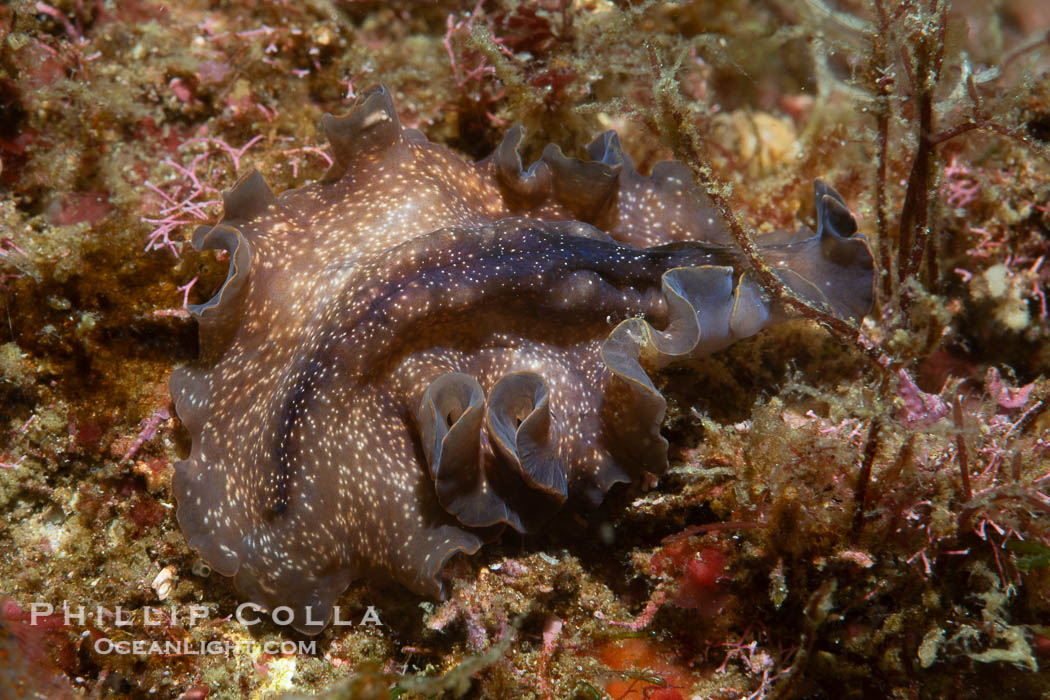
(416, 348)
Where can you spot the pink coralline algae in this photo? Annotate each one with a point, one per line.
(416, 348)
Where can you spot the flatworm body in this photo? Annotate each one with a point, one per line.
(416, 348)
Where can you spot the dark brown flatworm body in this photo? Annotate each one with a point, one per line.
(416, 348)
